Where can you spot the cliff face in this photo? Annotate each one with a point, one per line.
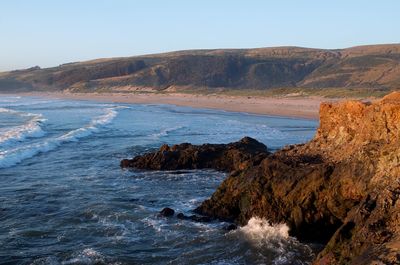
(341, 189)
(364, 139)
(360, 67)
(355, 124)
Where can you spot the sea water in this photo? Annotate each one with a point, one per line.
(65, 200)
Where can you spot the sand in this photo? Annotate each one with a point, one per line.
(296, 107)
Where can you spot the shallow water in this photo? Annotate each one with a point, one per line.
(64, 199)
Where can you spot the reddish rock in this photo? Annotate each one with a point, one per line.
(341, 188)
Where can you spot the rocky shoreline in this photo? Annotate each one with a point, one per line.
(341, 189)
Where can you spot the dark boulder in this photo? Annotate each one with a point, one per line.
(230, 227)
(167, 212)
(194, 218)
(225, 157)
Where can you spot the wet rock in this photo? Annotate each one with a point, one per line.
(124, 163)
(201, 219)
(230, 227)
(180, 216)
(225, 157)
(194, 218)
(167, 212)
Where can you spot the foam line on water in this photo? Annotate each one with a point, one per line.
(166, 132)
(9, 158)
(32, 128)
(18, 103)
(93, 126)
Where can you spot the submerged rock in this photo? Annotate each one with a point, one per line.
(230, 227)
(195, 218)
(342, 188)
(167, 212)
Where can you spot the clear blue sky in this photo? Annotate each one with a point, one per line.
(51, 32)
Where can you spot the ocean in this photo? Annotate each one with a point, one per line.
(65, 200)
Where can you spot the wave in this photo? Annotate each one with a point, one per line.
(260, 232)
(166, 132)
(272, 241)
(91, 127)
(86, 256)
(12, 157)
(32, 128)
(9, 100)
(18, 103)
(5, 110)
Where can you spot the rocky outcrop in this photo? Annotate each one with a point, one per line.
(342, 188)
(224, 157)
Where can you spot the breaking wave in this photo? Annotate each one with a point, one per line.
(273, 242)
(260, 232)
(32, 128)
(14, 156)
(92, 127)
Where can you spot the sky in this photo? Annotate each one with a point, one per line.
(51, 32)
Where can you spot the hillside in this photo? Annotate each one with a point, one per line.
(376, 67)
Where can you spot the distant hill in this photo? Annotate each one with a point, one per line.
(375, 66)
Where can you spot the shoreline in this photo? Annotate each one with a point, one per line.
(293, 107)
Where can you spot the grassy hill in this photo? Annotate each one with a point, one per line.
(363, 68)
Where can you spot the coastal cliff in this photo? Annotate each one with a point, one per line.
(341, 189)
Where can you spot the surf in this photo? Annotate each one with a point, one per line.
(31, 128)
(11, 157)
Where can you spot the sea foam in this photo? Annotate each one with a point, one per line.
(270, 238)
(260, 232)
(92, 127)
(14, 156)
(166, 132)
(32, 128)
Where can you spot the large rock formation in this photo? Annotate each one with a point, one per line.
(224, 157)
(341, 189)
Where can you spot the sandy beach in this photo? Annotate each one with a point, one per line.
(296, 107)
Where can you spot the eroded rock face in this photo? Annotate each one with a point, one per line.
(342, 188)
(225, 157)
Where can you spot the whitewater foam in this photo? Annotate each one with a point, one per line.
(272, 238)
(14, 156)
(5, 110)
(86, 256)
(32, 128)
(90, 128)
(9, 99)
(166, 132)
(260, 232)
